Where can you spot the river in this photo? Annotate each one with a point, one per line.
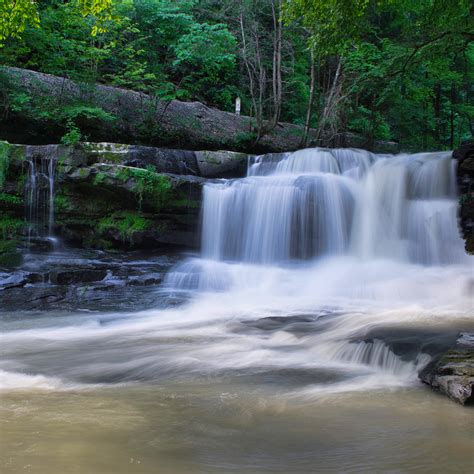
(292, 343)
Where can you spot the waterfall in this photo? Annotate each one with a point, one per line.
(39, 193)
(319, 202)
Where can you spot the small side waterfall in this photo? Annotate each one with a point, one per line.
(39, 193)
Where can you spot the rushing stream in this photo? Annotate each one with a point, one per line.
(327, 280)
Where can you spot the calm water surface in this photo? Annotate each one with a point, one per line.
(213, 426)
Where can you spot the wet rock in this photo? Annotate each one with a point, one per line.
(17, 280)
(143, 280)
(407, 343)
(69, 277)
(453, 373)
(465, 177)
(90, 280)
(221, 164)
(10, 256)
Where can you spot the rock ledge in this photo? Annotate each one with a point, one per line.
(453, 373)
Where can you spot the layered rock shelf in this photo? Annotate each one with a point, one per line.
(110, 196)
(107, 195)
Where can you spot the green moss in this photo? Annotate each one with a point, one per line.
(20, 184)
(4, 162)
(123, 173)
(109, 152)
(244, 140)
(126, 223)
(61, 164)
(9, 230)
(150, 185)
(61, 203)
(10, 227)
(10, 199)
(9, 255)
(17, 153)
(185, 202)
(211, 158)
(99, 178)
(146, 184)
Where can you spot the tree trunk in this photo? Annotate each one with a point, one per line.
(451, 119)
(277, 82)
(309, 110)
(330, 109)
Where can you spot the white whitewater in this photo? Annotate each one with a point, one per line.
(318, 202)
(302, 262)
(343, 229)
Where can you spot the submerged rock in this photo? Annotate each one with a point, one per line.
(453, 373)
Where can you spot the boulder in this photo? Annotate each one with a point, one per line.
(139, 118)
(453, 373)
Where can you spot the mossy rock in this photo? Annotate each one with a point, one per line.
(123, 226)
(10, 256)
(10, 227)
(213, 164)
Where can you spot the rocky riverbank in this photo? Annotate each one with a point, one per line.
(78, 280)
(453, 373)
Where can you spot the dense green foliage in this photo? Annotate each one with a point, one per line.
(388, 69)
(17, 15)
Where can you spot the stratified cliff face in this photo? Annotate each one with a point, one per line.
(465, 156)
(104, 195)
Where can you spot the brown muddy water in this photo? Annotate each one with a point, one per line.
(212, 427)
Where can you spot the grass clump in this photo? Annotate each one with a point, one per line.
(149, 185)
(126, 223)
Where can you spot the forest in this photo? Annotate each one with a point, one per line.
(398, 70)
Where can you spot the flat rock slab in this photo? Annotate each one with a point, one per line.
(77, 280)
(453, 373)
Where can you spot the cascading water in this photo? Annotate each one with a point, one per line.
(328, 227)
(319, 202)
(39, 193)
